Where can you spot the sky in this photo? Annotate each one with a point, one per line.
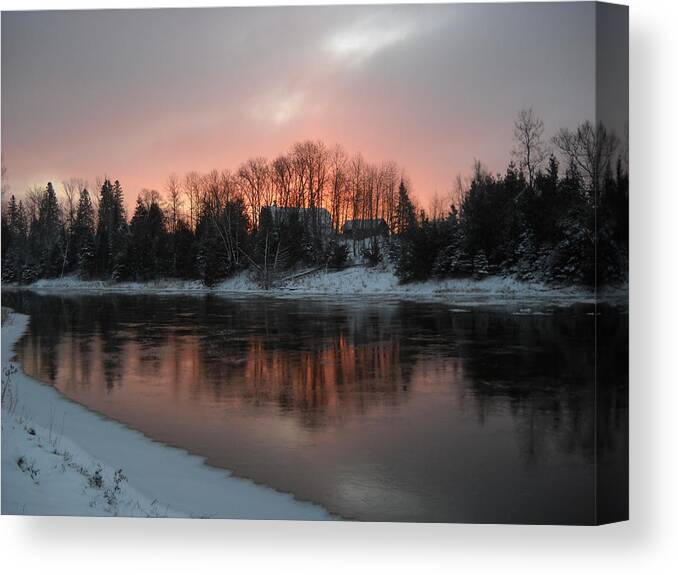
(137, 95)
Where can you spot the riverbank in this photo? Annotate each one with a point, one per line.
(59, 458)
(354, 281)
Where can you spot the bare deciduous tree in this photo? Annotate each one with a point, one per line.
(337, 161)
(310, 176)
(5, 182)
(530, 150)
(32, 201)
(174, 201)
(191, 187)
(256, 183)
(71, 188)
(459, 191)
(283, 180)
(437, 207)
(591, 149)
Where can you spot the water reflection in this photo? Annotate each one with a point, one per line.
(378, 410)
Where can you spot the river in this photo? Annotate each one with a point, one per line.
(379, 410)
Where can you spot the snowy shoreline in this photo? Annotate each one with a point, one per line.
(59, 458)
(351, 282)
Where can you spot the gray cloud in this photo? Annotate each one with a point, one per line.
(139, 94)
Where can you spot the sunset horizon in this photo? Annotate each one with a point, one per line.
(204, 89)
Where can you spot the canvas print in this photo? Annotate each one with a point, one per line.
(333, 262)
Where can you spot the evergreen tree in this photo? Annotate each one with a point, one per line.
(234, 230)
(452, 260)
(9, 216)
(212, 261)
(526, 257)
(119, 234)
(46, 238)
(419, 250)
(147, 248)
(13, 241)
(83, 236)
(296, 239)
(103, 233)
(185, 250)
(405, 218)
(111, 234)
(271, 255)
(337, 255)
(480, 265)
(564, 228)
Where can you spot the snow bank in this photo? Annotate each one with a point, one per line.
(382, 281)
(73, 283)
(358, 280)
(59, 458)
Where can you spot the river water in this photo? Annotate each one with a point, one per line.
(378, 410)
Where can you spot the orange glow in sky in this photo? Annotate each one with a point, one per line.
(138, 95)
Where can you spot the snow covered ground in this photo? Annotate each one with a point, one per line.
(59, 458)
(358, 280)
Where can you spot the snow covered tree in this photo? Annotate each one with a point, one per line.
(337, 255)
(46, 237)
(480, 265)
(185, 250)
(147, 248)
(405, 218)
(83, 232)
(526, 258)
(419, 250)
(573, 258)
(449, 261)
(211, 257)
(111, 234)
(14, 241)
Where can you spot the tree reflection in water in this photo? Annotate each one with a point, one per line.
(215, 367)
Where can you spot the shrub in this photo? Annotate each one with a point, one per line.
(372, 254)
(338, 256)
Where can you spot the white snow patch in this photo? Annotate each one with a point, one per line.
(74, 283)
(356, 280)
(59, 458)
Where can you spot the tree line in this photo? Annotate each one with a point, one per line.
(548, 217)
(539, 220)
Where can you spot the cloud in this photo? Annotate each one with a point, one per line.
(278, 107)
(362, 40)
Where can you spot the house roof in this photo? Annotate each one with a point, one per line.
(278, 212)
(364, 224)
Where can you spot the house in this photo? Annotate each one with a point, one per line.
(361, 229)
(312, 218)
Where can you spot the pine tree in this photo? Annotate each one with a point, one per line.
(103, 233)
(211, 258)
(16, 252)
(405, 218)
(46, 237)
(83, 236)
(420, 247)
(8, 224)
(111, 234)
(184, 245)
(480, 265)
(119, 235)
(8, 241)
(448, 262)
(147, 249)
(526, 257)
(296, 238)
